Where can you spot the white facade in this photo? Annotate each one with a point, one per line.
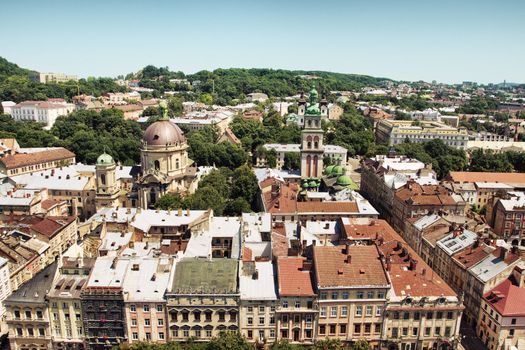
(39, 111)
(5, 291)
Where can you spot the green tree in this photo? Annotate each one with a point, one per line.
(208, 197)
(271, 158)
(245, 184)
(284, 344)
(229, 341)
(292, 161)
(237, 206)
(361, 345)
(328, 344)
(170, 202)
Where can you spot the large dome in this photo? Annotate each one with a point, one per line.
(163, 132)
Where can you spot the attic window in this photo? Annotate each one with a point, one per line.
(361, 271)
(156, 137)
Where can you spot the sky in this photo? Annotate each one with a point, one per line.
(448, 41)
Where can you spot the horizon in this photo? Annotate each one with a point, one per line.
(407, 41)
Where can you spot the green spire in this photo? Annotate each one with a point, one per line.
(313, 109)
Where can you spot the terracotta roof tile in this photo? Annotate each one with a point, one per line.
(364, 268)
(24, 159)
(507, 299)
(473, 176)
(327, 207)
(293, 279)
(52, 225)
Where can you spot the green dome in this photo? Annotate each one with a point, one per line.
(313, 184)
(329, 169)
(344, 180)
(105, 159)
(338, 170)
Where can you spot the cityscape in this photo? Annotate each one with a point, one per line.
(187, 208)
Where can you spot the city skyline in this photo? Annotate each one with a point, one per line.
(445, 41)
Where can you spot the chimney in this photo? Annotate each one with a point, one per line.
(347, 248)
(314, 242)
(348, 259)
(179, 212)
(303, 245)
(188, 212)
(503, 253)
(413, 265)
(255, 275)
(307, 265)
(424, 272)
(388, 262)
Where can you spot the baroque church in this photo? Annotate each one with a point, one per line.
(165, 168)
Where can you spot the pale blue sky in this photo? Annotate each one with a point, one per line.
(445, 40)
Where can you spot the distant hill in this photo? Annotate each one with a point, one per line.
(11, 69)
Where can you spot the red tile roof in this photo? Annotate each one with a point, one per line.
(473, 176)
(416, 194)
(48, 204)
(507, 298)
(24, 159)
(293, 279)
(333, 269)
(327, 207)
(52, 225)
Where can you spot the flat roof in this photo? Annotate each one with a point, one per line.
(257, 280)
(203, 276)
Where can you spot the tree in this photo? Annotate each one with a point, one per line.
(208, 197)
(229, 341)
(328, 344)
(236, 207)
(271, 158)
(284, 344)
(292, 161)
(245, 184)
(170, 202)
(206, 99)
(361, 345)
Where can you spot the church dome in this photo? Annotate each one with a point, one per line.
(105, 159)
(163, 132)
(338, 170)
(329, 169)
(344, 180)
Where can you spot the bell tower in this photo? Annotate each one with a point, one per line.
(312, 145)
(107, 185)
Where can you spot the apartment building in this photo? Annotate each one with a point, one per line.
(395, 132)
(45, 112)
(506, 215)
(203, 299)
(27, 314)
(103, 304)
(45, 78)
(5, 291)
(64, 303)
(144, 286)
(352, 286)
(60, 232)
(414, 199)
(501, 322)
(383, 175)
(297, 311)
(28, 161)
(258, 300)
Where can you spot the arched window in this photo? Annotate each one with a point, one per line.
(157, 165)
(103, 179)
(309, 122)
(176, 163)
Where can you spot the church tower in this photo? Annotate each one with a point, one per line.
(312, 146)
(107, 185)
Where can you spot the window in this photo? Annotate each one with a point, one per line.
(513, 321)
(250, 321)
(447, 331)
(132, 308)
(147, 322)
(250, 309)
(359, 310)
(406, 315)
(208, 333)
(186, 333)
(285, 304)
(335, 295)
(261, 320)
(417, 315)
(437, 331)
(41, 332)
(263, 309)
(333, 311)
(379, 310)
(297, 304)
(322, 296)
(429, 315)
(133, 321)
(414, 331)
(439, 315)
(17, 313)
(345, 295)
(272, 333)
(197, 333)
(322, 329)
(148, 336)
(395, 315)
(322, 311)
(160, 322)
(28, 314)
(377, 328)
(159, 308)
(405, 331)
(30, 332)
(39, 314)
(135, 336)
(511, 332)
(344, 310)
(360, 295)
(145, 308)
(450, 315)
(272, 320)
(77, 316)
(394, 332)
(332, 329)
(19, 331)
(261, 334)
(380, 295)
(370, 295)
(342, 329)
(161, 335)
(369, 310)
(222, 316)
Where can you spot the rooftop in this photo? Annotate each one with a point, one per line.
(147, 279)
(349, 266)
(203, 276)
(294, 277)
(34, 290)
(513, 179)
(257, 280)
(507, 298)
(24, 159)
